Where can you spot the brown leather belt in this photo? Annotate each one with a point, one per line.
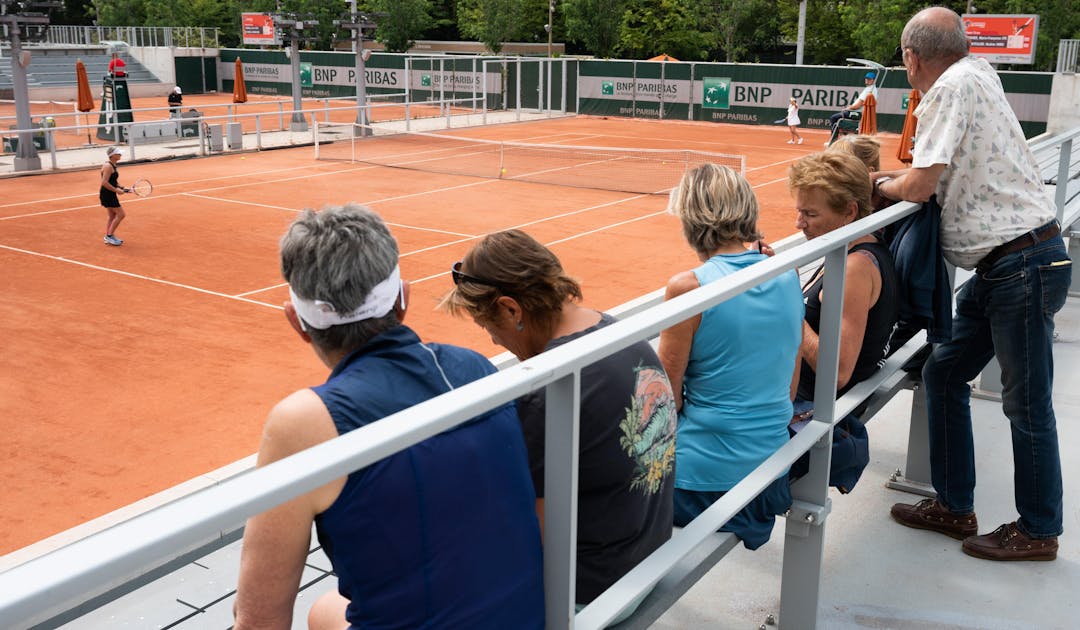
(1027, 239)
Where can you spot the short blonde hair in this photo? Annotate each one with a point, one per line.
(716, 205)
(866, 148)
(842, 177)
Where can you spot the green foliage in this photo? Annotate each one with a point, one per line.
(875, 27)
(675, 27)
(595, 24)
(741, 26)
(733, 30)
(403, 23)
(491, 22)
(120, 12)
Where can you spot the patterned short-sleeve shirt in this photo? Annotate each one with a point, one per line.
(990, 191)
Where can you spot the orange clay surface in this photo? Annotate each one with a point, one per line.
(127, 370)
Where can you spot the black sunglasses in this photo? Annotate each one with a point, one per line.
(460, 276)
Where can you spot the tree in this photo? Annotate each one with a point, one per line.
(120, 12)
(595, 24)
(402, 22)
(742, 25)
(491, 22)
(675, 27)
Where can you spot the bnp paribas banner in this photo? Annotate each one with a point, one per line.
(333, 75)
(758, 94)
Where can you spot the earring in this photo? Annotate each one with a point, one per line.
(520, 326)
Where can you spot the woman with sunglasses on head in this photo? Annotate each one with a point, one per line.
(515, 288)
(731, 365)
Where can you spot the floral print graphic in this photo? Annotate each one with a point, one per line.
(649, 430)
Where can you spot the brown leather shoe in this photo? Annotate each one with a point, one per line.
(1009, 543)
(932, 515)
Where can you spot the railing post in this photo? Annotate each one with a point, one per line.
(915, 478)
(560, 499)
(1064, 156)
(804, 530)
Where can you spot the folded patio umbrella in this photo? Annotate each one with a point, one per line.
(868, 125)
(907, 136)
(85, 98)
(239, 91)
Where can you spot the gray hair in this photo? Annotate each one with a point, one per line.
(936, 34)
(338, 255)
(716, 205)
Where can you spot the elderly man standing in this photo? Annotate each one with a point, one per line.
(996, 218)
(442, 534)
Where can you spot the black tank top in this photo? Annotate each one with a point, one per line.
(879, 322)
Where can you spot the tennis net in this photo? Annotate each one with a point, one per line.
(643, 171)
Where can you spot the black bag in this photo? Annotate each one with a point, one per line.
(850, 453)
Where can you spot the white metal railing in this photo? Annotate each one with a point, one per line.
(41, 588)
(271, 128)
(1068, 50)
(170, 36)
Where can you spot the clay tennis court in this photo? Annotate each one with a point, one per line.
(127, 370)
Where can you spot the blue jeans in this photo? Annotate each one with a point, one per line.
(1009, 312)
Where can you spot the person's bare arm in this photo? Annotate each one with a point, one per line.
(675, 342)
(276, 542)
(913, 184)
(861, 289)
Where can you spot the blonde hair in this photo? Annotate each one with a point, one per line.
(842, 177)
(716, 205)
(866, 148)
(516, 265)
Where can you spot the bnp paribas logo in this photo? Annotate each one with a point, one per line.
(715, 92)
(425, 80)
(607, 87)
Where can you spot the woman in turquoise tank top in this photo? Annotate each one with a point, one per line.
(732, 365)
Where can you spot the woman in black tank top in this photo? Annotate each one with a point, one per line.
(108, 195)
(832, 190)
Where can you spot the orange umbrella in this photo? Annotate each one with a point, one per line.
(663, 57)
(907, 136)
(868, 125)
(239, 90)
(86, 99)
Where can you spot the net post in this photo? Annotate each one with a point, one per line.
(519, 73)
(315, 129)
(258, 132)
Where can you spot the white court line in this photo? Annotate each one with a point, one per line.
(191, 181)
(138, 276)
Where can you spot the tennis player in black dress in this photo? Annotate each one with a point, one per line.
(110, 188)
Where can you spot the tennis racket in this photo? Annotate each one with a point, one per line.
(141, 187)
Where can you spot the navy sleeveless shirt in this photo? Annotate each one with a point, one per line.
(443, 534)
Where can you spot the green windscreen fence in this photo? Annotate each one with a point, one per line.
(757, 94)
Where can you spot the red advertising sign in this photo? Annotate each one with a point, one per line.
(1002, 38)
(259, 29)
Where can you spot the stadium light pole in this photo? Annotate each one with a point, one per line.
(293, 27)
(16, 26)
(359, 24)
(550, 26)
(800, 42)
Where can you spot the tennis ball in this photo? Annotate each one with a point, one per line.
(503, 171)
